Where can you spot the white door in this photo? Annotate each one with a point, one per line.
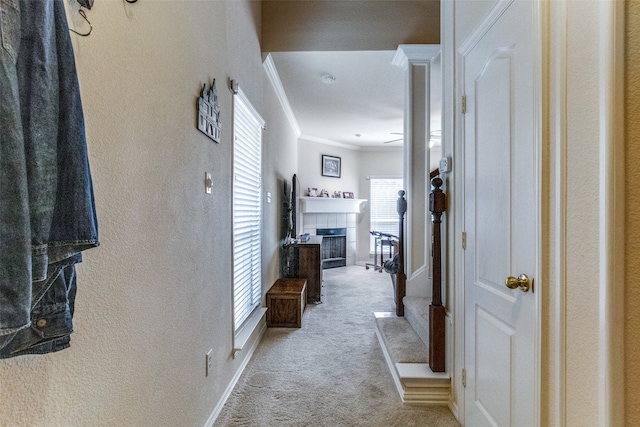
(501, 217)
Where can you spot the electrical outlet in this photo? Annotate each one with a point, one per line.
(209, 362)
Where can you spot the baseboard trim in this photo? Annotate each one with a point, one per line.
(225, 396)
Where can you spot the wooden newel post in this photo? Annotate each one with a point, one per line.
(437, 205)
(401, 277)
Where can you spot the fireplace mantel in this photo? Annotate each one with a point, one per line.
(330, 205)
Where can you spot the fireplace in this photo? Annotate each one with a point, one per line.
(333, 250)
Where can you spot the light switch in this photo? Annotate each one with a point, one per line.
(268, 197)
(445, 164)
(208, 183)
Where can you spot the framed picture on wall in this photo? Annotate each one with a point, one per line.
(331, 166)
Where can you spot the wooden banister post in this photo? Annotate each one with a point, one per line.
(401, 277)
(437, 314)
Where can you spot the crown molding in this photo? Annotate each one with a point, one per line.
(415, 54)
(274, 78)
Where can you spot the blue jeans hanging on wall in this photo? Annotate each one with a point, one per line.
(47, 211)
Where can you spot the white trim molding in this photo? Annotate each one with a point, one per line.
(557, 72)
(227, 392)
(585, 252)
(274, 78)
(612, 179)
(330, 205)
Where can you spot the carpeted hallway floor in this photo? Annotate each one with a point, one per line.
(331, 372)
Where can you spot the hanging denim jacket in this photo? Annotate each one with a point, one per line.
(47, 212)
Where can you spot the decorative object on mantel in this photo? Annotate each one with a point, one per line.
(331, 166)
(313, 192)
(337, 194)
(209, 112)
(324, 193)
(347, 195)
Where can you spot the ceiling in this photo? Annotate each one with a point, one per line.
(361, 108)
(354, 41)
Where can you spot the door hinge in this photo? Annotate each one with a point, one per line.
(464, 240)
(464, 377)
(464, 104)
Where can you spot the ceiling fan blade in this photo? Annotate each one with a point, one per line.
(394, 140)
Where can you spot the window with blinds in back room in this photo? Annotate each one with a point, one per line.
(383, 211)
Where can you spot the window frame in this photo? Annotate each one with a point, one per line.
(246, 210)
(391, 215)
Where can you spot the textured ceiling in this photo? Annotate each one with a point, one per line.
(366, 98)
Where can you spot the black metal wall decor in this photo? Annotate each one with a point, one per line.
(209, 112)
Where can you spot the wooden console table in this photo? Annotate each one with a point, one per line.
(305, 259)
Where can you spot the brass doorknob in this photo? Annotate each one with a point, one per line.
(523, 282)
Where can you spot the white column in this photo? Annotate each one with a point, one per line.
(416, 61)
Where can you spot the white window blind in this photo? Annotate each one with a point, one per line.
(247, 249)
(383, 206)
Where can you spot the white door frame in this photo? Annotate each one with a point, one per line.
(586, 156)
(582, 297)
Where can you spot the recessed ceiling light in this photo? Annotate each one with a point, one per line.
(328, 79)
(358, 135)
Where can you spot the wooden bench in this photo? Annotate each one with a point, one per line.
(286, 301)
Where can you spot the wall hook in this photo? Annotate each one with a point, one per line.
(84, 15)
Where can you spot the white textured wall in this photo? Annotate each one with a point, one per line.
(156, 295)
(373, 164)
(310, 171)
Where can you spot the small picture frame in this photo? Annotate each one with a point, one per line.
(313, 192)
(331, 166)
(347, 195)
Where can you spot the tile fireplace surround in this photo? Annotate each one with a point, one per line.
(312, 221)
(319, 212)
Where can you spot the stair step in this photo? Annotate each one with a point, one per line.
(402, 342)
(407, 357)
(416, 373)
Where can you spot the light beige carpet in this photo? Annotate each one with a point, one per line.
(332, 371)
